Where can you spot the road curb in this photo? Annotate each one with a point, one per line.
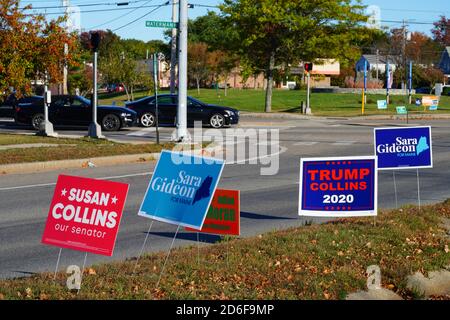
(33, 167)
(284, 115)
(276, 115)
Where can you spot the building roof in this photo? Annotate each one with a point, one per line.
(372, 59)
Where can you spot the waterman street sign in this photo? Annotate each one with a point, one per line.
(181, 189)
(338, 187)
(85, 214)
(403, 148)
(161, 24)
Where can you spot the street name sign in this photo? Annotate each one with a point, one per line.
(181, 189)
(338, 187)
(161, 24)
(85, 214)
(403, 148)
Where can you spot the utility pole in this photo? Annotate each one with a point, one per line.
(65, 4)
(155, 82)
(404, 25)
(377, 54)
(182, 135)
(173, 49)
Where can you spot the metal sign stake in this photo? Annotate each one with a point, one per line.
(82, 271)
(167, 257)
(143, 246)
(57, 263)
(198, 249)
(418, 187)
(395, 189)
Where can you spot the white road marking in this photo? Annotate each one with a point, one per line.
(305, 143)
(343, 143)
(54, 183)
(141, 132)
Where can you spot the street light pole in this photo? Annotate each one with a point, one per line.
(46, 127)
(95, 131)
(173, 49)
(182, 134)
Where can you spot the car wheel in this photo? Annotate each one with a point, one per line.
(36, 120)
(111, 122)
(217, 121)
(148, 119)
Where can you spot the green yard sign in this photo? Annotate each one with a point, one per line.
(402, 110)
(161, 24)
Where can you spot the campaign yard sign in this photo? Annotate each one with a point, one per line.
(403, 148)
(382, 104)
(338, 187)
(223, 214)
(401, 110)
(430, 101)
(85, 214)
(181, 189)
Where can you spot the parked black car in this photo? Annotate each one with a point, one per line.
(72, 110)
(215, 116)
(8, 106)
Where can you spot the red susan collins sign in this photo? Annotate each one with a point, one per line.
(85, 214)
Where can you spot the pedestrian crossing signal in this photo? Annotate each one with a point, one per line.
(308, 67)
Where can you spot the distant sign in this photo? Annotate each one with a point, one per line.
(403, 148)
(429, 101)
(338, 187)
(85, 214)
(161, 24)
(401, 110)
(223, 214)
(181, 189)
(382, 104)
(432, 108)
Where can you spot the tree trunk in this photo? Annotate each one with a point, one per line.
(268, 107)
(254, 82)
(126, 91)
(198, 86)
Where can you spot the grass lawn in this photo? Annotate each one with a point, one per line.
(68, 148)
(313, 262)
(322, 104)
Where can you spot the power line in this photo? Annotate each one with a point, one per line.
(137, 19)
(123, 3)
(90, 11)
(119, 17)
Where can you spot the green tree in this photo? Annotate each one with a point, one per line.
(272, 32)
(30, 47)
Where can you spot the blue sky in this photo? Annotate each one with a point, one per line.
(419, 13)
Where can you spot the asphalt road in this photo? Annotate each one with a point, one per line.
(267, 202)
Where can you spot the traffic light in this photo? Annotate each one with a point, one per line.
(308, 67)
(95, 41)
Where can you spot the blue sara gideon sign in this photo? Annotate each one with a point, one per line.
(403, 148)
(338, 187)
(181, 189)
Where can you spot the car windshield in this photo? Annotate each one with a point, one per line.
(194, 102)
(84, 100)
